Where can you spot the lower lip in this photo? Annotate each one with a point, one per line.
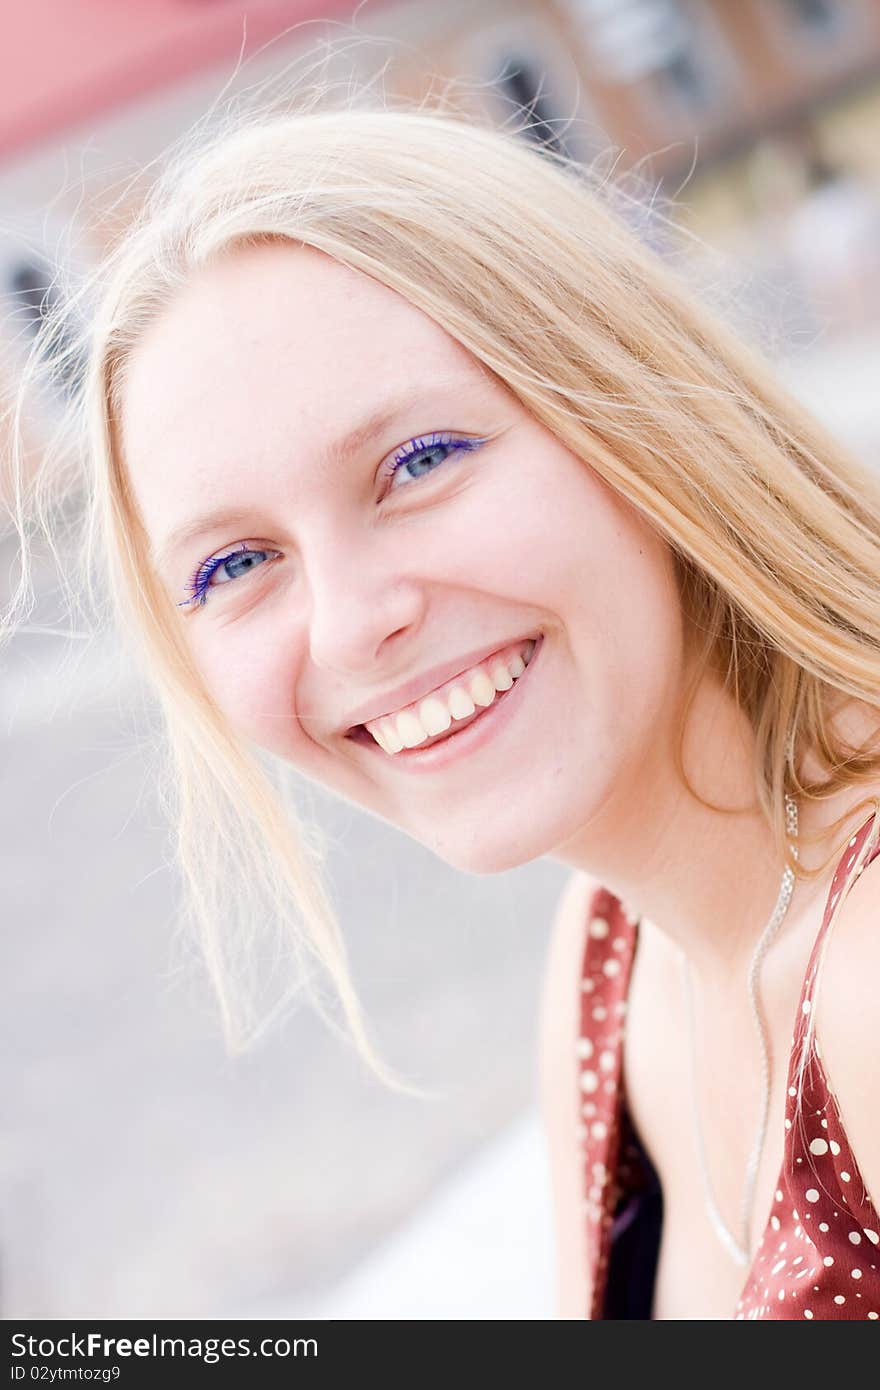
(472, 737)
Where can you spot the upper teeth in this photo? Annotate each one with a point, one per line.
(409, 727)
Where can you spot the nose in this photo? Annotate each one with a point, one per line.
(360, 603)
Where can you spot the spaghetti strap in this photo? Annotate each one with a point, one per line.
(819, 1256)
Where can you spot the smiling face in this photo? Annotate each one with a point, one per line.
(455, 549)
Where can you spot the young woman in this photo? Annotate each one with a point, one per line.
(415, 471)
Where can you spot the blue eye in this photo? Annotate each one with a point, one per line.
(421, 456)
(220, 569)
(414, 461)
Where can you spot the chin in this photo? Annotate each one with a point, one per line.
(482, 854)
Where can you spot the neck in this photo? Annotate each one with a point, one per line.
(708, 879)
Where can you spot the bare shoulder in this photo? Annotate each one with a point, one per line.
(559, 1086)
(846, 1021)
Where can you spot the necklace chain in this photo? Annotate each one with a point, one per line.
(739, 1248)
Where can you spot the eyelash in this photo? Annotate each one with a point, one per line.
(424, 443)
(198, 585)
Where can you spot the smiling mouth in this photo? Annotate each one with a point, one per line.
(471, 697)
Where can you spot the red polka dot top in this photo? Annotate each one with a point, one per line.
(819, 1256)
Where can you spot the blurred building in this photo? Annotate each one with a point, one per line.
(648, 73)
(746, 104)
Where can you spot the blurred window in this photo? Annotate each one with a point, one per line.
(527, 77)
(658, 44)
(31, 286)
(521, 82)
(683, 82)
(816, 18)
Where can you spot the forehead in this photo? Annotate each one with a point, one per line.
(262, 342)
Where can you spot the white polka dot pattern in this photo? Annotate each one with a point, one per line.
(819, 1255)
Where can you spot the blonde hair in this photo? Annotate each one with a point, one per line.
(525, 259)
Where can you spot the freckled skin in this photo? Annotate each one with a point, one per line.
(262, 361)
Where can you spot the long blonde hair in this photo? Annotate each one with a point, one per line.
(525, 259)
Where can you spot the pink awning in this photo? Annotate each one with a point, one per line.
(64, 61)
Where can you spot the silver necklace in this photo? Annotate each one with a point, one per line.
(739, 1249)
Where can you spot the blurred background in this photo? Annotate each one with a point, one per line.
(143, 1172)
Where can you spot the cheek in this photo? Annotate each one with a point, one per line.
(568, 545)
(523, 535)
(548, 533)
(251, 674)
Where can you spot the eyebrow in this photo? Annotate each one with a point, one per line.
(343, 449)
